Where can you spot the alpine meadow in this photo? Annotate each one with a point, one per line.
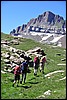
(50, 85)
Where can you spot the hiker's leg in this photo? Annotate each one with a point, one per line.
(14, 82)
(21, 79)
(43, 68)
(15, 79)
(18, 78)
(24, 77)
(40, 67)
(37, 67)
(35, 71)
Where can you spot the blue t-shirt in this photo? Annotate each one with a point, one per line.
(24, 66)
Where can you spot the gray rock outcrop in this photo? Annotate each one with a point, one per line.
(45, 20)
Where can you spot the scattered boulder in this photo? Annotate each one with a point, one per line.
(49, 74)
(61, 64)
(8, 65)
(59, 54)
(2, 54)
(7, 61)
(36, 51)
(3, 72)
(22, 55)
(47, 92)
(21, 59)
(12, 57)
(7, 56)
(63, 78)
(63, 59)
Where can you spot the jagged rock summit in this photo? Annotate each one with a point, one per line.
(45, 20)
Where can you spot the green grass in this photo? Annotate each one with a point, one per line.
(36, 86)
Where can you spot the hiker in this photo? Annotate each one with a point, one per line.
(42, 63)
(24, 69)
(36, 64)
(43, 53)
(17, 73)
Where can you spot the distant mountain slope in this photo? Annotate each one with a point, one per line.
(45, 20)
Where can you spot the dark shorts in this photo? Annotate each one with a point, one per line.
(17, 77)
(36, 66)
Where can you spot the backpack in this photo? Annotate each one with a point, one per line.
(24, 66)
(43, 59)
(36, 59)
(17, 70)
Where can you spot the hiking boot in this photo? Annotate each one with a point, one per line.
(40, 70)
(20, 82)
(24, 81)
(13, 85)
(35, 74)
(17, 85)
(43, 72)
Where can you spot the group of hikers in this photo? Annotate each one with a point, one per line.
(22, 68)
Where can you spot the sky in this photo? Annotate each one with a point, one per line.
(17, 13)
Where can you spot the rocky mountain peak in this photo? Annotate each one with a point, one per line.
(45, 20)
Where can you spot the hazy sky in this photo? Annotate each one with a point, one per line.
(17, 13)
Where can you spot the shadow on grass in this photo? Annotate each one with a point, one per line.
(26, 87)
(11, 80)
(32, 78)
(33, 82)
(37, 75)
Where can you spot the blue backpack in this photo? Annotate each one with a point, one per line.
(24, 66)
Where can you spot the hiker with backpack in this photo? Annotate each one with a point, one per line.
(36, 64)
(24, 69)
(17, 73)
(42, 63)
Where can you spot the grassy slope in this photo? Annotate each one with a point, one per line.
(36, 86)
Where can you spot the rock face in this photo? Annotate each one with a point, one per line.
(45, 20)
(19, 29)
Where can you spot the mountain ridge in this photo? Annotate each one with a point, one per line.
(45, 20)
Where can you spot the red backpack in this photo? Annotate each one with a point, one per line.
(43, 59)
(36, 59)
(17, 70)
